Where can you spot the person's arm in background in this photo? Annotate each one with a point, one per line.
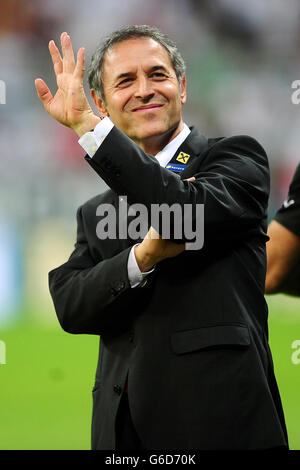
(283, 261)
(283, 248)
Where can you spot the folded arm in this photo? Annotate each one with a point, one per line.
(90, 297)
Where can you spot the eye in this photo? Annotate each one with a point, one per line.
(126, 80)
(158, 74)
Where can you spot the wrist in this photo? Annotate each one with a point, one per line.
(88, 124)
(144, 260)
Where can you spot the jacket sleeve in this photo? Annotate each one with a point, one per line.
(93, 298)
(232, 181)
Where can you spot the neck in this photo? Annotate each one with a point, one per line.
(154, 144)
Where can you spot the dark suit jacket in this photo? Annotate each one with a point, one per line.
(194, 341)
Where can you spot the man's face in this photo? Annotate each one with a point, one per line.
(142, 93)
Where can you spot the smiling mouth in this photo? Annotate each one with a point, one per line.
(147, 108)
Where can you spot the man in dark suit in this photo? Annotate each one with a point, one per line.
(184, 360)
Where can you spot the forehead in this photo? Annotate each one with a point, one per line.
(128, 55)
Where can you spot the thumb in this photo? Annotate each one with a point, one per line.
(43, 92)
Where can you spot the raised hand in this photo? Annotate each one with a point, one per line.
(69, 105)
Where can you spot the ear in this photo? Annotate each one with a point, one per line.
(183, 91)
(99, 103)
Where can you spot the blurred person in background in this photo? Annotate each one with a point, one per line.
(283, 248)
(184, 360)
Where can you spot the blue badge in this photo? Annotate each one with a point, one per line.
(175, 167)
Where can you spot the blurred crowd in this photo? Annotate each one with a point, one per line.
(241, 59)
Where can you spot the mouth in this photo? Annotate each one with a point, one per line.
(147, 107)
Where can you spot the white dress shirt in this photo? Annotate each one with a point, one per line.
(92, 140)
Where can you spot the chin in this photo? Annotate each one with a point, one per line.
(146, 132)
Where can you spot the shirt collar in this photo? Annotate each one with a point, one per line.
(166, 154)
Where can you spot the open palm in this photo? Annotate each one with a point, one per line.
(69, 105)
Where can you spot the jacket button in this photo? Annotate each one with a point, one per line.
(117, 389)
(119, 286)
(107, 164)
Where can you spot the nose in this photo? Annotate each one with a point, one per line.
(144, 88)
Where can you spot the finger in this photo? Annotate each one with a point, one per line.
(68, 54)
(153, 234)
(56, 58)
(80, 64)
(190, 179)
(43, 92)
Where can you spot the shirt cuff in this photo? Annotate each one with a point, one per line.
(135, 276)
(91, 141)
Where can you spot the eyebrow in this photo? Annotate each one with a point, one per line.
(153, 69)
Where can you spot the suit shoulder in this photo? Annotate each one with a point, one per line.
(239, 147)
(243, 141)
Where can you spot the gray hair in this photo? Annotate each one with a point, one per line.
(131, 32)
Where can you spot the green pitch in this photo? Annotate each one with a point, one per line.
(46, 383)
(45, 389)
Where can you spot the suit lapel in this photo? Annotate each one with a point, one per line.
(187, 153)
